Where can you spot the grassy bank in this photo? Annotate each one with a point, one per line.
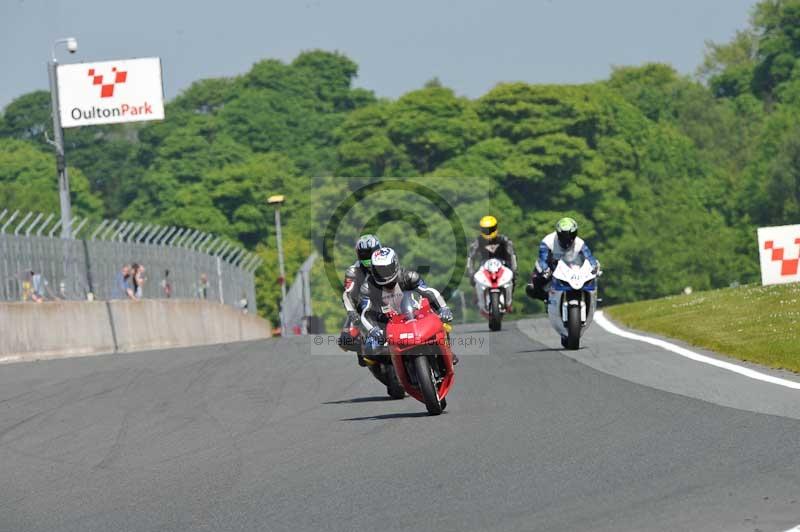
(753, 323)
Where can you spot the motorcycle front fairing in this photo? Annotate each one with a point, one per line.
(487, 281)
(572, 285)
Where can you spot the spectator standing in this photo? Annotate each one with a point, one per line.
(33, 287)
(202, 288)
(37, 285)
(166, 285)
(123, 284)
(137, 274)
(27, 288)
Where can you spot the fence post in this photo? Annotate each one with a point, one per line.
(89, 280)
(44, 225)
(219, 279)
(24, 220)
(8, 222)
(77, 229)
(54, 228)
(33, 224)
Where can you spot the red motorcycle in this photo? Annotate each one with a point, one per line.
(420, 351)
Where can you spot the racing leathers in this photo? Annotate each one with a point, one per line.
(550, 252)
(377, 301)
(482, 250)
(353, 279)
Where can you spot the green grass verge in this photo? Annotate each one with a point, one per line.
(753, 323)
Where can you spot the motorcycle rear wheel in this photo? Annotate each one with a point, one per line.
(427, 385)
(394, 388)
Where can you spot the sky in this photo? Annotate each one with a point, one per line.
(470, 45)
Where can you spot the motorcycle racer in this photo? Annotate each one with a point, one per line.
(490, 244)
(382, 291)
(563, 243)
(353, 279)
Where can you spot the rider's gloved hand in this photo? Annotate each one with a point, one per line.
(376, 336)
(530, 290)
(445, 314)
(345, 340)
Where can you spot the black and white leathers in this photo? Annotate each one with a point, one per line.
(377, 300)
(353, 279)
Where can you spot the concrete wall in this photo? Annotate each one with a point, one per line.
(73, 328)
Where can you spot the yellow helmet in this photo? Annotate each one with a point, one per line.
(489, 227)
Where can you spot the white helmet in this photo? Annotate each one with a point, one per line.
(384, 266)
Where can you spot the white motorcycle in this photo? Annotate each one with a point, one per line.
(572, 300)
(494, 286)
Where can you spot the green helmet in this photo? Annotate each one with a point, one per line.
(566, 231)
(365, 247)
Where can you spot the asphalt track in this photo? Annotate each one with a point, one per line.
(619, 436)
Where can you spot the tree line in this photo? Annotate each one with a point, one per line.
(668, 175)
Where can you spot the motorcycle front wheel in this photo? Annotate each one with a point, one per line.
(574, 327)
(496, 319)
(427, 385)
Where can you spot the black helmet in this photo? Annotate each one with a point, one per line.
(566, 231)
(365, 247)
(385, 266)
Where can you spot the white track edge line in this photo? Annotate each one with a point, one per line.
(795, 529)
(603, 322)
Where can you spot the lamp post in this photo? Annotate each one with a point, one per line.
(58, 137)
(277, 201)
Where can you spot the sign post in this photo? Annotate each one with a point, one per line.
(58, 144)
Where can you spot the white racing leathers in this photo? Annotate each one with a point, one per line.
(550, 252)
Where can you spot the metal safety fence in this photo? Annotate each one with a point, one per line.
(178, 262)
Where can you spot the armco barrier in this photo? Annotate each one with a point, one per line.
(74, 328)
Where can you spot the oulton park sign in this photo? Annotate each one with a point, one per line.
(110, 92)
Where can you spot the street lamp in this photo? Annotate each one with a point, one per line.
(58, 137)
(277, 201)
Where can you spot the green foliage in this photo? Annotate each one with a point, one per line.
(28, 118)
(668, 176)
(772, 193)
(434, 125)
(777, 22)
(28, 181)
